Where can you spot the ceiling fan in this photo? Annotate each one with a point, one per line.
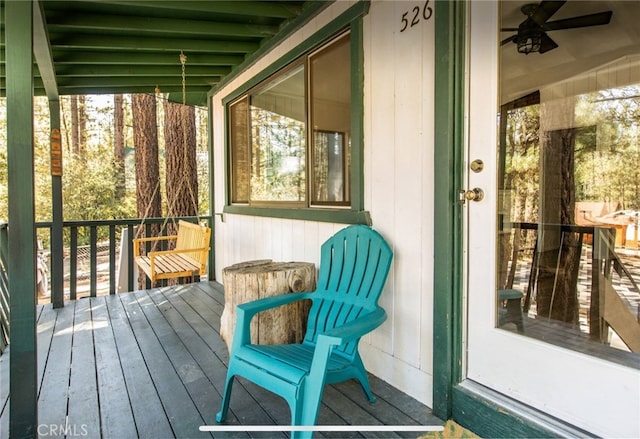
(531, 34)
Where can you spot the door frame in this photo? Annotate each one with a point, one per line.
(476, 407)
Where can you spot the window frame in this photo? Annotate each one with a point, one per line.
(350, 21)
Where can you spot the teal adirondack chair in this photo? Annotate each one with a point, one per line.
(354, 264)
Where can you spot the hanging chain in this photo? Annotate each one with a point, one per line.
(192, 195)
(183, 61)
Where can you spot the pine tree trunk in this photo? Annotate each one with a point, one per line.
(180, 159)
(82, 125)
(118, 145)
(75, 133)
(145, 139)
(559, 257)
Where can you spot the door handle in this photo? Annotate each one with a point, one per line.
(476, 194)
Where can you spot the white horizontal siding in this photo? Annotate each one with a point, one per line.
(398, 137)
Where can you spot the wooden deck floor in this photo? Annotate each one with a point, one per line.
(152, 364)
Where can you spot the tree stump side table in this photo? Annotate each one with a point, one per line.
(254, 280)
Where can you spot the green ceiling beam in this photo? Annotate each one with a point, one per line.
(261, 9)
(97, 90)
(142, 58)
(139, 70)
(42, 52)
(94, 23)
(120, 81)
(102, 42)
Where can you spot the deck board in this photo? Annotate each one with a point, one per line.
(152, 364)
(115, 408)
(84, 413)
(52, 401)
(141, 390)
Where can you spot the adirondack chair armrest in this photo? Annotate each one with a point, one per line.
(246, 311)
(355, 328)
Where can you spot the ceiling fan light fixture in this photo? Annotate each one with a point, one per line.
(529, 41)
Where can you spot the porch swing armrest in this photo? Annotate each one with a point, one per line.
(136, 241)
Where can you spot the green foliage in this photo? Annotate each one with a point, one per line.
(89, 180)
(607, 152)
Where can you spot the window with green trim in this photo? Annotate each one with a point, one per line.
(290, 135)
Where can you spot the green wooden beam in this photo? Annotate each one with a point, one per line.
(192, 91)
(113, 42)
(141, 58)
(145, 71)
(141, 26)
(125, 81)
(23, 416)
(42, 52)
(261, 9)
(449, 128)
(57, 244)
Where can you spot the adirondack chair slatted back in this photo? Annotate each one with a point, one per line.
(354, 265)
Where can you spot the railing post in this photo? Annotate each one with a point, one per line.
(93, 260)
(73, 263)
(112, 259)
(23, 362)
(57, 246)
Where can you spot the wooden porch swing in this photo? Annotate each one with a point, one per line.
(192, 242)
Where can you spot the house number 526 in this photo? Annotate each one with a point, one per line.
(415, 15)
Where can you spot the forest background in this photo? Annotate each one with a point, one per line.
(111, 145)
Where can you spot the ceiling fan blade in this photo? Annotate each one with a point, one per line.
(545, 10)
(508, 40)
(509, 29)
(547, 44)
(597, 19)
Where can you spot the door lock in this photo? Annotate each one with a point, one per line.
(477, 165)
(475, 194)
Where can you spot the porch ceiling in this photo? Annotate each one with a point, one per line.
(122, 46)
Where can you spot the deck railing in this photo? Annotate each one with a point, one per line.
(91, 262)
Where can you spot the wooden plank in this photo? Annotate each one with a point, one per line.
(208, 360)
(83, 411)
(184, 417)
(393, 406)
(115, 410)
(52, 402)
(198, 386)
(46, 323)
(149, 415)
(208, 348)
(385, 412)
(408, 405)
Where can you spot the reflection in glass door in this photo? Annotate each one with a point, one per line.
(556, 325)
(569, 205)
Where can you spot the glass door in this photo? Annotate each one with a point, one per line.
(553, 262)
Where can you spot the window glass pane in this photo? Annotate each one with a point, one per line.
(569, 261)
(328, 166)
(278, 145)
(240, 159)
(331, 120)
